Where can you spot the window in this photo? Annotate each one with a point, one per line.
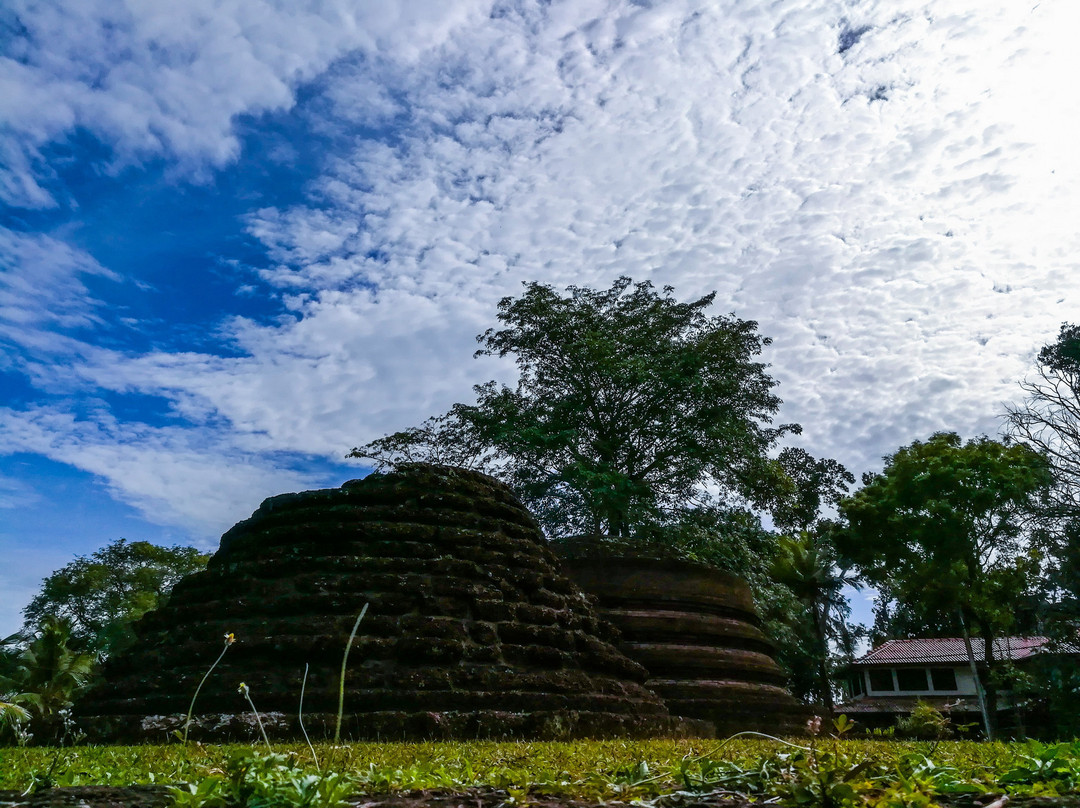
(943, 678)
(912, 679)
(856, 684)
(881, 679)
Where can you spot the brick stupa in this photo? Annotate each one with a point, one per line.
(697, 632)
(472, 631)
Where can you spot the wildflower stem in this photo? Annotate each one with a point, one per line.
(229, 640)
(341, 684)
(247, 695)
(300, 717)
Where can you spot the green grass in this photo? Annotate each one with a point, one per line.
(594, 769)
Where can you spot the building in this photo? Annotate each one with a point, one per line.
(890, 680)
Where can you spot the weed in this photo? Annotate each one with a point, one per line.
(230, 638)
(341, 684)
(300, 718)
(834, 772)
(265, 781)
(924, 721)
(1048, 768)
(245, 691)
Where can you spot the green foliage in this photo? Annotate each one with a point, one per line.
(827, 772)
(924, 722)
(41, 681)
(942, 529)
(1046, 768)
(265, 781)
(101, 595)
(629, 403)
(941, 525)
(807, 486)
(807, 565)
(14, 721)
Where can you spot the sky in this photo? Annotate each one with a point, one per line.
(240, 237)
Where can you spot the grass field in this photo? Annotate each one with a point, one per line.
(827, 771)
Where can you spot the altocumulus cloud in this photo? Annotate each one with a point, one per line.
(884, 186)
(168, 79)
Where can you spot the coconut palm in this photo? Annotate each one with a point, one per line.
(806, 564)
(43, 678)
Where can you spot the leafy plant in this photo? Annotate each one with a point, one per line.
(1056, 767)
(925, 722)
(842, 725)
(265, 781)
(41, 682)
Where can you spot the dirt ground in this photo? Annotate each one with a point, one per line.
(157, 797)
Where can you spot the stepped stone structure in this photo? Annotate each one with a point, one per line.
(696, 631)
(471, 631)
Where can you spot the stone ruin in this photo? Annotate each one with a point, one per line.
(472, 631)
(695, 629)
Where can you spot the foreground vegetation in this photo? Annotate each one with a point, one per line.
(825, 771)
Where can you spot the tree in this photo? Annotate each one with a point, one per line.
(808, 486)
(629, 406)
(942, 529)
(100, 596)
(1049, 421)
(807, 565)
(44, 677)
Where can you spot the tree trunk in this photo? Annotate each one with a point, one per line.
(988, 723)
(990, 684)
(823, 657)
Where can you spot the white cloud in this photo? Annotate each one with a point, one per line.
(737, 150)
(896, 215)
(173, 476)
(170, 79)
(15, 493)
(41, 284)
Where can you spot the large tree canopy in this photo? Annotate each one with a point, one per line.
(943, 525)
(1049, 418)
(942, 529)
(1049, 421)
(807, 485)
(101, 595)
(629, 407)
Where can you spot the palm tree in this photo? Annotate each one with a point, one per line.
(42, 679)
(806, 564)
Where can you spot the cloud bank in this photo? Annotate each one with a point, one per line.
(885, 187)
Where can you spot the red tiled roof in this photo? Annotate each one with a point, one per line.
(949, 649)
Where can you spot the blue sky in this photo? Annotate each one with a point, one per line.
(238, 239)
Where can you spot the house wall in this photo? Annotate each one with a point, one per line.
(965, 683)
